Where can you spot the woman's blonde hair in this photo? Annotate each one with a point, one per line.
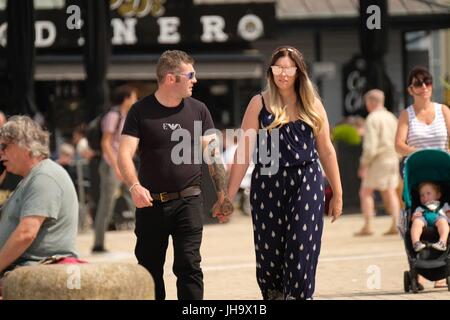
(304, 90)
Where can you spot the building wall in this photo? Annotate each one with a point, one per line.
(338, 47)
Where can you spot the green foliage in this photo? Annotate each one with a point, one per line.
(346, 133)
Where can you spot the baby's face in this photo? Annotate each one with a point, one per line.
(428, 193)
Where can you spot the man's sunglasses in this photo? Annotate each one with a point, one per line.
(189, 75)
(3, 146)
(419, 83)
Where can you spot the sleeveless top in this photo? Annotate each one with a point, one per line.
(423, 136)
(297, 143)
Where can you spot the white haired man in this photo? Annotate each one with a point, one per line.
(40, 218)
(379, 163)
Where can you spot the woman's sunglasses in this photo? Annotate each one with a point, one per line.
(289, 71)
(419, 83)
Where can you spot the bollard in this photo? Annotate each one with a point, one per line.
(98, 281)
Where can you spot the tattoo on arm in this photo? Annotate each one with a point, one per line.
(217, 169)
(219, 176)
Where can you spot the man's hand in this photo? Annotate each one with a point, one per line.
(362, 172)
(222, 210)
(141, 197)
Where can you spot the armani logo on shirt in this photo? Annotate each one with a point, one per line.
(171, 126)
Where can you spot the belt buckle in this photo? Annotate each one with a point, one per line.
(164, 197)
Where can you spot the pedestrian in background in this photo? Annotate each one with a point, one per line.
(110, 177)
(379, 162)
(424, 124)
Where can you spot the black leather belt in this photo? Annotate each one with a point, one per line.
(167, 196)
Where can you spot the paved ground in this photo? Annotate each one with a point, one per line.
(349, 267)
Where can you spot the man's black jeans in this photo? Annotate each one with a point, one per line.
(182, 219)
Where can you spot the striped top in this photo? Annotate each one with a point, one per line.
(423, 136)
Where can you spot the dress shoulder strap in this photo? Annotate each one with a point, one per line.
(262, 99)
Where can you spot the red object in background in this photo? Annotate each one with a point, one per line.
(328, 195)
(70, 260)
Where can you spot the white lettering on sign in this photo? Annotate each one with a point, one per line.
(45, 34)
(3, 35)
(168, 30)
(250, 27)
(355, 84)
(124, 31)
(213, 29)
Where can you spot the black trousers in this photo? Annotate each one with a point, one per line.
(182, 219)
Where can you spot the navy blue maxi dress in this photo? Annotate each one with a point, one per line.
(287, 212)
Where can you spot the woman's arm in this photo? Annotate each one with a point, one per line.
(246, 145)
(446, 113)
(328, 159)
(402, 133)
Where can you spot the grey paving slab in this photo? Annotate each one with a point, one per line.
(350, 268)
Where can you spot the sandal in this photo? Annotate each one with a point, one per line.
(391, 232)
(440, 284)
(363, 232)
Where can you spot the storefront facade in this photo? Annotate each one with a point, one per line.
(231, 42)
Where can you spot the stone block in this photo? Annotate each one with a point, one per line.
(96, 281)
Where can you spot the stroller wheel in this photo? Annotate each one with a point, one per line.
(406, 281)
(414, 285)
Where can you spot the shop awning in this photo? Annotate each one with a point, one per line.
(313, 9)
(133, 67)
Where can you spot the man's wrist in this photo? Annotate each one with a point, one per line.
(133, 186)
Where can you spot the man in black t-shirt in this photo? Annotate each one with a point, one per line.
(169, 131)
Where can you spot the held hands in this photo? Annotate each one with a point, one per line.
(222, 209)
(335, 209)
(141, 196)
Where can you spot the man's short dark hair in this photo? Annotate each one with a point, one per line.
(170, 61)
(121, 93)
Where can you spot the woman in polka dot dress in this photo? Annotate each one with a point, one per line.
(287, 193)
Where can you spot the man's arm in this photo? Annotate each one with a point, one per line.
(20, 240)
(224, 206)
(127, 149)
(109, 154)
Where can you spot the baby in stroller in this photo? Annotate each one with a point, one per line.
(430, 213)
(423, 224)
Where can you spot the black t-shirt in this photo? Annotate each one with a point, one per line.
(154, 124)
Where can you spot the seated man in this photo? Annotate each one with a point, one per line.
(40, 218)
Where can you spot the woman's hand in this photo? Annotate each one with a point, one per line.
(335, 208)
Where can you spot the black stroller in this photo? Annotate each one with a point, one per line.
(424, 165)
